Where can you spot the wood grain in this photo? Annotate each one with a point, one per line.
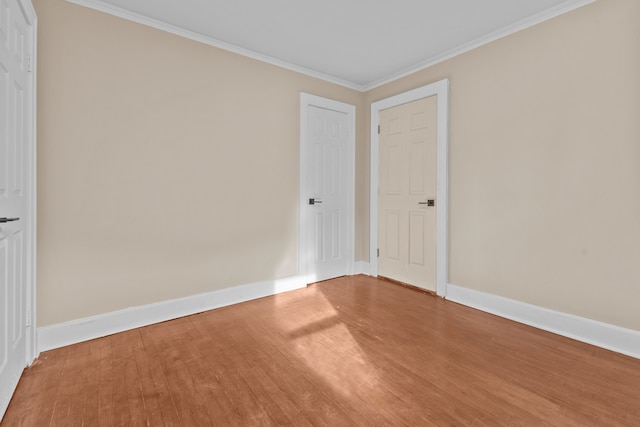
(350, 351)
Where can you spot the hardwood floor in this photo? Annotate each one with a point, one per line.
(349, 351)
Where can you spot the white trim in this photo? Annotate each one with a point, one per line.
(75, 331)
(441, 90)
(563, 8)
(31, 333)
(306, 101)
(362, 267)
(610, 337)
(159, 25)
(554, 12)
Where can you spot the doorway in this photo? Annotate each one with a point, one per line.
(407, 193)
(439, 93)
(327, 188)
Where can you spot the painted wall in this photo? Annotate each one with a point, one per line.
(166, 167)
(545, 163)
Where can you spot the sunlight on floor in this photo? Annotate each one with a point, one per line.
(315, 331)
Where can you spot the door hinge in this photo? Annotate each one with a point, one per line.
(378, 129)
(29, 64)
(378, 252)
(27, 321)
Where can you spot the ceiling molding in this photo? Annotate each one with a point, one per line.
(565, 7)
(160, 25)
(568, 6)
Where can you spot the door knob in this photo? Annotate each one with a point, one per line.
(8, 219)
(430, 202)
(313, 201)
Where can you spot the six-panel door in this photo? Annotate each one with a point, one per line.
(328, 143)
(407, 193)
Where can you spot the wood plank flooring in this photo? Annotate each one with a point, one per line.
(354, 351)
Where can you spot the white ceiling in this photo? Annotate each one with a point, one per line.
(357, 43)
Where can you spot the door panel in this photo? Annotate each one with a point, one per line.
(392, 235)
(319, 237)
(407, 165)
(14, 81)
(4, 292)
(417, 168)
(393, 168)
(17, 142)
(4, 131)
(417, 231)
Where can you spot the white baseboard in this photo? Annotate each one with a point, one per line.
(88, 328)
(610, 337)
(362, 267)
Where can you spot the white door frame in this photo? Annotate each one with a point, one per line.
(32, 336)
(441, 89)
(306, 101)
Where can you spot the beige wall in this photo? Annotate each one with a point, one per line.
(166, 167)
(545, 163)
(169, 168)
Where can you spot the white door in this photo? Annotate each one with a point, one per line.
(407, 193)
(15, 183)
(327, 187)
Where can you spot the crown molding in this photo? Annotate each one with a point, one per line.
(101, 6)
(561, 9)
(554, 12)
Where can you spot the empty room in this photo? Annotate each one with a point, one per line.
(372, 213)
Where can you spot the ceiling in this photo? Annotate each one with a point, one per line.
(356, 43)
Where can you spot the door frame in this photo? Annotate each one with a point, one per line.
(31, 183)
(32, 336)
(441, 90)
(306, 101)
